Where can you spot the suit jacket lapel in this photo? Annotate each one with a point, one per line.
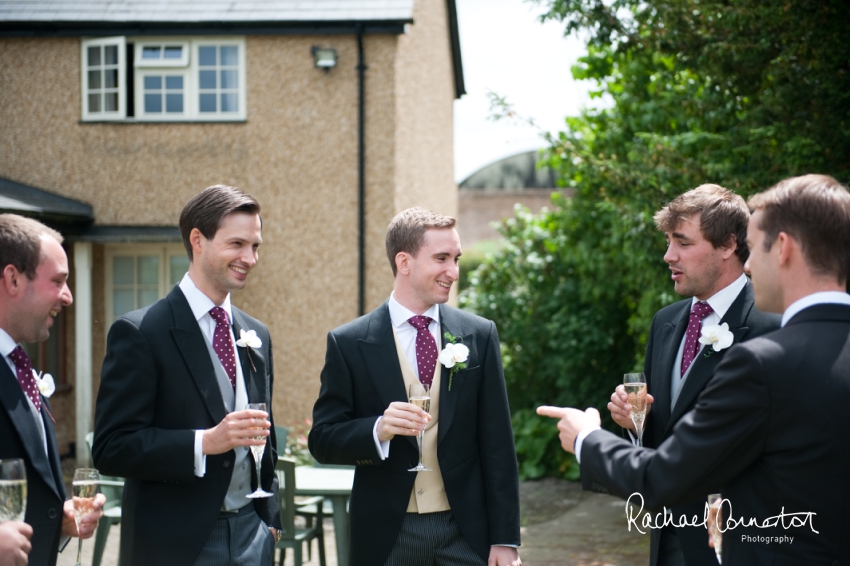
(192, 346)
(671, 337)
(451, 323)
(253, 364)
(20, 413)
(703, 367)
(379, 355)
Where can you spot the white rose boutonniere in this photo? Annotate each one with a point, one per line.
(45, 383)
(453, 356)
(717, 336)
(249, 339)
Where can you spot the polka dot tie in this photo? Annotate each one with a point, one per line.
(426, 348)
(26, 379)
(699, 311)
(223, 343)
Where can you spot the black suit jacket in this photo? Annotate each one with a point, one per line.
(475, 448)
(764, 430)
(668, 328)
(158, 386)
(19, 438)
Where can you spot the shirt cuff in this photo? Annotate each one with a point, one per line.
(382, 446)
(508, 545)
(200, 459)
(580, 438)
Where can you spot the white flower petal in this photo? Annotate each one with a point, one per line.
(249, 339)
(46, 385)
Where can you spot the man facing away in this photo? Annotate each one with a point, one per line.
(33, 290)
(466, 510)
(706, 231)
(767, 429)
(171, 412)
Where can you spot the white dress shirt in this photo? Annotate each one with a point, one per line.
(201, 305)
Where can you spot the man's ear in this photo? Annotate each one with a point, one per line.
(402, 262)
(729, 246)
(786, 245)
(196, 239)
(11, 280)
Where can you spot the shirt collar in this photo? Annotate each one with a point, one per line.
(723, 299)
(199, 302)
(399, 314)
(823, 297)
(7, 343)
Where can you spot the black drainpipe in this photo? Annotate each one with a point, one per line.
(361, 174)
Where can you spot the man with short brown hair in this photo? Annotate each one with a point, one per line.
(706, 230)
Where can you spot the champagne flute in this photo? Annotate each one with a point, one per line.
(85, 485)
(715, 500)
(419, 394)
(257, 452)
(13, 489)
(635, 384)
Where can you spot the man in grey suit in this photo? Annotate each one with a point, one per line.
(171, 412)
(766, 430)
(706, 231)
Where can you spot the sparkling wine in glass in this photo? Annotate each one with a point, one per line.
(635, 384)
(85, 485)
(419, 394)
(714, 502)
(13, 489)
(257, 452)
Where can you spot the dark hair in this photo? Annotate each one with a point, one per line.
(20, 243)
(406, 232)
(815, 211)
(206, 210)
(724, 215)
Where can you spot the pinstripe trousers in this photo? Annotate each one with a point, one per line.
(238, 539)
(432, 539)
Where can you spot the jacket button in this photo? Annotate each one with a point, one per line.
(52, 514)
(226, 463)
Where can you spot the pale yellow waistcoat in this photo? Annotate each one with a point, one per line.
(429, 493)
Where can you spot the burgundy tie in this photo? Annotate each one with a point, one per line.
(699, 311)
(223, 343)
(26, 379)
(426, 348)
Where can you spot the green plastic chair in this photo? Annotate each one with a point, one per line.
(113, 489)
(281, 433)
(290, 536)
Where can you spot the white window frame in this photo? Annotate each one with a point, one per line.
(163, 251)
(121, 113)
(188, 67)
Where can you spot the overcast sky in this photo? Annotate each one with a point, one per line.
(507, 50)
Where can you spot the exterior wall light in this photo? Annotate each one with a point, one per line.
(324, 58)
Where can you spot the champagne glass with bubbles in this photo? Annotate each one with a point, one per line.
(419, 394)
(257, 452)
(85, 485)
(13, 489)
(635, 384)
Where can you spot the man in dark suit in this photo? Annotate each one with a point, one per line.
(171, 412)
(33, 290)
(466, 510)
(763, 431)
(706, 231)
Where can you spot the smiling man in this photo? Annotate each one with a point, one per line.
(465, 510)
(706, 230)
(171, 412)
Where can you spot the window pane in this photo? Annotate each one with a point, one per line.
(207, 103)
(178, 265)
(229, 102)
(174, 103)
(110, 54)
(110, 78)
(228, 55)
(151, 52)
(123, 270)
(153, 103)
(94, 56)
(94, 79)
(207, 79)
(147, 297)
(173, 51)
(206, 55)
(153, 83)
(174, 83)
(149, 269)
(110, 102)
(94, 103)
(123, 302)
(229, 79)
